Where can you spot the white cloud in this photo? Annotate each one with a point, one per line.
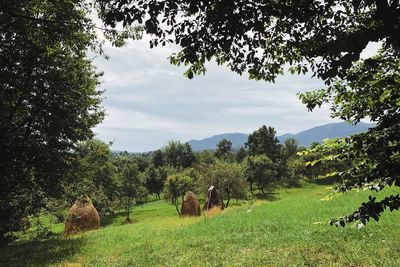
(150, 101)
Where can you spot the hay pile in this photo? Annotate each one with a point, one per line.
(213, 199)
(190, 205)
(82, 216)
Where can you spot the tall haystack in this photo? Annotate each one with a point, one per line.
(213, 199)
(82, 216)
(190, 205)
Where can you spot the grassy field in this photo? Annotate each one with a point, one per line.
(288, 229)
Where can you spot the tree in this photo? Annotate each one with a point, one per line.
(92, 173)
(322, 36)
(264, 142)
(224, 148)
(178, 155)
(130, 183)
(227, 177)
(374, 154)
(48, 101)
(290, 147)
(241, 155)
(260, 171)
(261, 37)
(155, 179)
(176, 185)
(205, 157)
(158, 158)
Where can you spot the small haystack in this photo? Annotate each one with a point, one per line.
(190, 205)
(82, 216)
(213, 199)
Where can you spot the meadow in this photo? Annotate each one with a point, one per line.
(288, 228)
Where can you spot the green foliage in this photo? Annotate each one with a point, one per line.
(48, 100)
(176, 185)
(224, 149)
(290, 147)
(157, 158)
(130, 183)
(240, 155)
(205, 157)
(264, 142)
(94, 170)
(227, 177)
(322, 36)
(178, 155)
(368, 90)
(260, 171)
(155, 179)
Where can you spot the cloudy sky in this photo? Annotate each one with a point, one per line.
(149, 102)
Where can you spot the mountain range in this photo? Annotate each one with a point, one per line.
(304, 138)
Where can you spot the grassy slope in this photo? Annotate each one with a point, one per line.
(286, 231)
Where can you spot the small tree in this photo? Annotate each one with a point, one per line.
(155, 179)
(176, 185)
(260, 170)
(227, 177)
(129, 184)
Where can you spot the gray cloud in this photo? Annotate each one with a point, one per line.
(149, 101)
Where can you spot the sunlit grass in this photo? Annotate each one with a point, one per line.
(289, 229)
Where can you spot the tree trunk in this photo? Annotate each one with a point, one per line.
(128, 209)
(228, 198)
(176, 206)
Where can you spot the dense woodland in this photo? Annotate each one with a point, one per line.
(50, 102)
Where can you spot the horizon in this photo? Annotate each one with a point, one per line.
(231, 133)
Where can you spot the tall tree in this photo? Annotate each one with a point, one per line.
(290, 147)
(92, 173)
(178, 155)
(264, 142)
(48, 100)
(130, 182)
(224, 148)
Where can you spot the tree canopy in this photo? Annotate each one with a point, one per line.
(48, 100)
(260, 37)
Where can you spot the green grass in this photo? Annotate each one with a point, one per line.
(291, 230)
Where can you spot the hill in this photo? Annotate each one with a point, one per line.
(305, 138)
(290, 229)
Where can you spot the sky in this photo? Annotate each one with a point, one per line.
(148, 101)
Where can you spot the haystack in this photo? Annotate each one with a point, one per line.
(213, 199)
(82, 216)
(190, 205)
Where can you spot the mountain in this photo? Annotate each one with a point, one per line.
(331, 130)
(209, 143)
(305, 138)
